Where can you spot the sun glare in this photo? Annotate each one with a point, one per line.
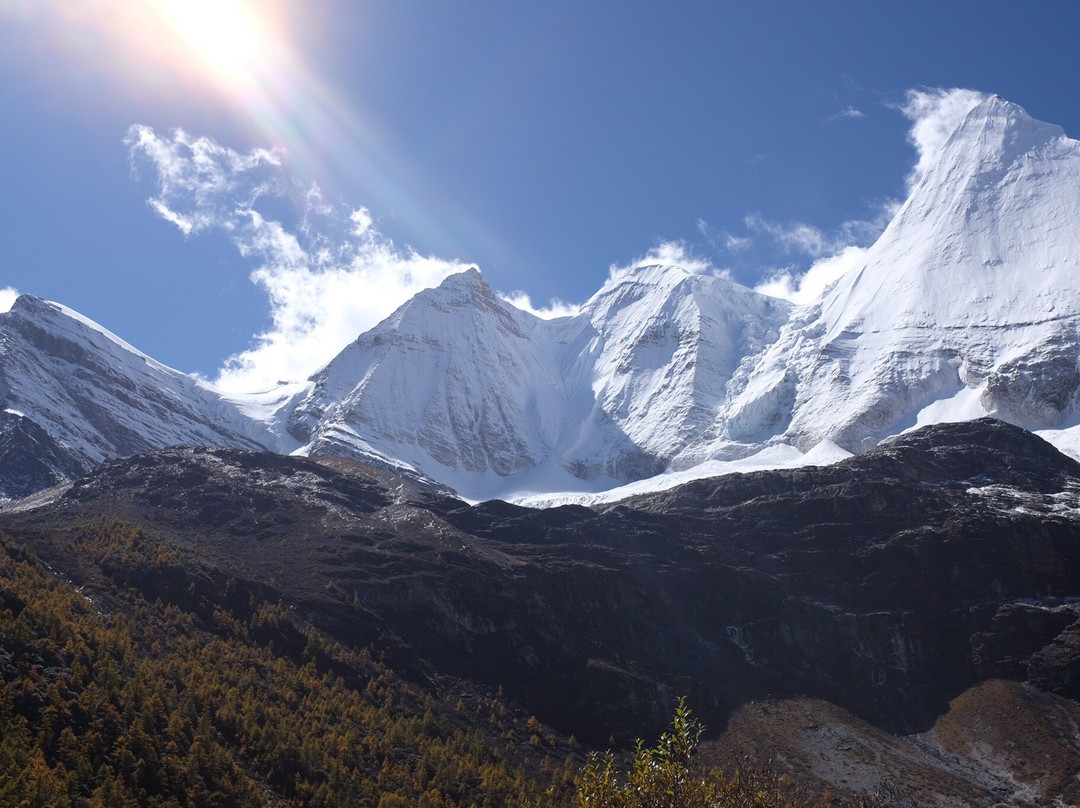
(228, 37)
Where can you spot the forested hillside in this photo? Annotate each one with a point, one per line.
(120, 700)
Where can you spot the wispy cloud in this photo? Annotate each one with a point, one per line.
(935, 113)
(831, 252)
(678, 253)
(7, 298)
(202, 184)
(722, 240)
(669, 253)
(848, 113)
(329, 276)
(798, 237)
(801, 238)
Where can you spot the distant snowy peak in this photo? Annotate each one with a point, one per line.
(670, 341)
(47, 316)
(967, 305)
(650, 289)
(454, 379)
(74, 394)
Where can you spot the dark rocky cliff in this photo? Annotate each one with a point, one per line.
(887, 584)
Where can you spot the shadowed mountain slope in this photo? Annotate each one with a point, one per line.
(886, 584)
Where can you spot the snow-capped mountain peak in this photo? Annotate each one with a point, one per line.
(972, 294)
(465, 388)
(455, 378)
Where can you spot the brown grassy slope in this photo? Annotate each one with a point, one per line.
(1000, 743)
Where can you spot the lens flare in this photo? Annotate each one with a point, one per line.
(249, 53)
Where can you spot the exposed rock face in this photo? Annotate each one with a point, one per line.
(886, 584)
(31, 459)
(1038, 388)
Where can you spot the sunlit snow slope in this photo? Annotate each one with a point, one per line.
(968, 304)
(72, 394)
(491, 400)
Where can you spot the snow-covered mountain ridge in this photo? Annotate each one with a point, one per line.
(73, 394)
(967, 305)
(493, 400)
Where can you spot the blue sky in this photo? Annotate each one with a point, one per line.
(354, 151)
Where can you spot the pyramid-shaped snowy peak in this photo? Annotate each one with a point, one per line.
(968, 304)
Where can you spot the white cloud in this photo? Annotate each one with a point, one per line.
(7, 298)
(669, 253)
(848, 112)
(676, 253)
(806, 239)
(321, 299)
(211, 181)
(554, 308)
(810, 285)
(328, 279)
(721, 240)
(832, 253)
(736, 243)
(935, 114)
(793, 236)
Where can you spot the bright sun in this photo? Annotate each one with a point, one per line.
(228, 37)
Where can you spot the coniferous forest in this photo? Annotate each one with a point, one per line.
(140, 702)
(222, 698)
